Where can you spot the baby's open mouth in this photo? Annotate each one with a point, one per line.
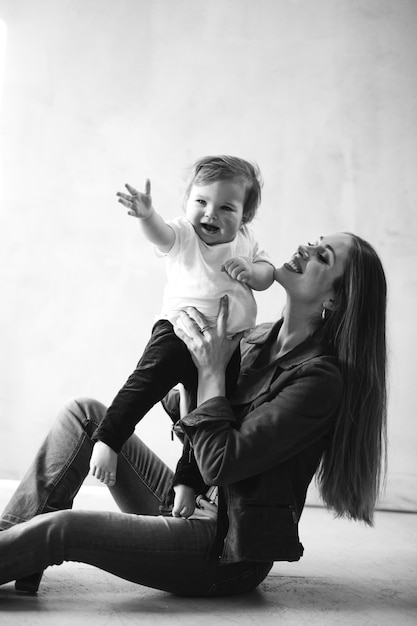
(209, 228)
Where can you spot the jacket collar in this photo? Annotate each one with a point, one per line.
(265, 333)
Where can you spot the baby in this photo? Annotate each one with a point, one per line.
(209, 252)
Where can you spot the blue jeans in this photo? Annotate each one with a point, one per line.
(137, 544)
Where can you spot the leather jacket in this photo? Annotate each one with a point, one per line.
(263, 446)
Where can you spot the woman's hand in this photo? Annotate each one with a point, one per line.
(210, 348)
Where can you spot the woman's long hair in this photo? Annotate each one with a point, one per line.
(351, 472)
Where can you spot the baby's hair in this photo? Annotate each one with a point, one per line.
(210, 169)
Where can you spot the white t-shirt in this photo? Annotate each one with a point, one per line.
(195, 277)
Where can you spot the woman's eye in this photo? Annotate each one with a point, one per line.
(321, 257)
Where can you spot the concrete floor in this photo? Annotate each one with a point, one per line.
(349, 574)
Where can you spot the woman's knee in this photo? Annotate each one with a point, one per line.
(51, 533)
(86, 411)
(67, 526)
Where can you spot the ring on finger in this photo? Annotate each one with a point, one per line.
(206, 327)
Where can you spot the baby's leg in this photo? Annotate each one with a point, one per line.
(164, 363)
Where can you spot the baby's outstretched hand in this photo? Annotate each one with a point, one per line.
(239, 268)
(184, 502)
(139, 203)
(103, 463)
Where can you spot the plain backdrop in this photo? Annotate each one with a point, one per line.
(322, 94)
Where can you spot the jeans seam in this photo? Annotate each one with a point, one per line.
(60, 475)
(141, 478)
(11, 520)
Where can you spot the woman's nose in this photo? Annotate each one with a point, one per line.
(304, 251)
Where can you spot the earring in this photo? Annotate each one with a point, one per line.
(323, 314)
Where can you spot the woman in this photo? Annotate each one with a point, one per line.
(310, 400)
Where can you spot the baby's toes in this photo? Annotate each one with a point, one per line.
(111, 480)
(97, 473)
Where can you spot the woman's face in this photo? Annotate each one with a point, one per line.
(311, 273)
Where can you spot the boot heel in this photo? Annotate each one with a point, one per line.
(29, 584)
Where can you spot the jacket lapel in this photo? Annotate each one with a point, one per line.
(254, 381)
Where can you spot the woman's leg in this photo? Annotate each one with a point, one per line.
(165, 553)
(143, 480)
(62, 463)
(59, 468)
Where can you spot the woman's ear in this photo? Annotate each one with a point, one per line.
(328, 304)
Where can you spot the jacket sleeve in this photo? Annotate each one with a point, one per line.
(297, 410)
(187, 472)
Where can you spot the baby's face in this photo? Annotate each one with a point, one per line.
(216, 210)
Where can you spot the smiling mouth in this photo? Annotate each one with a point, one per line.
(294, 265)
(209, 228)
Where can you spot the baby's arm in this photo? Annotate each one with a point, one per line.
(259, 275)
(184, 502)
(155, 229)
(103, 463)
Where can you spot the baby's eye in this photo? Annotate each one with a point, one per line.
(227, 208)
(202, 202)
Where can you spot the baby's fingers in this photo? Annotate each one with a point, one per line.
(124, 199)
(131, 189)
(228, 265)
(242, 275)
(135, 192)
(184, 512)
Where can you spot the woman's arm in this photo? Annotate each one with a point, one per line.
(298, 410)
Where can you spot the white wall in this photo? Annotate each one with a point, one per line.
(322, 94)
